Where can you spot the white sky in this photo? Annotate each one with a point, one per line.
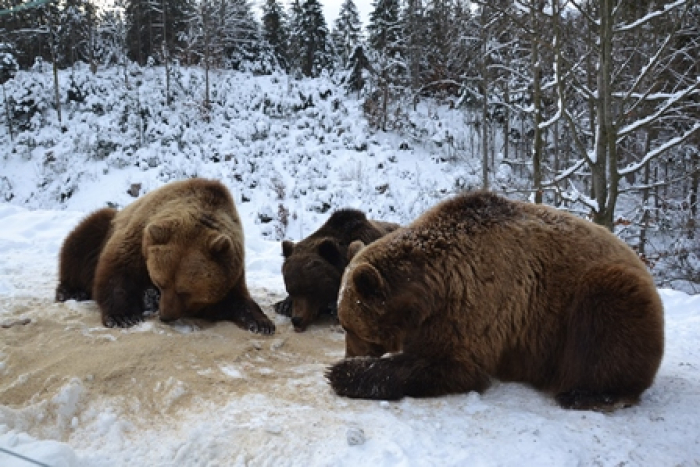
(331, 8)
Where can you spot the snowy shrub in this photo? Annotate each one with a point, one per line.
(6, 193)
(27, 98)
(352, 170)
(8, 63)
(265, 214)
(79, 88)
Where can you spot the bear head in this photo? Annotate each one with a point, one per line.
(190, 271)
(312, 270)
(381, 301)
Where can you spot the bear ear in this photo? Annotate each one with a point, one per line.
(287, 248)
(329, 250)
(159, 234)
(354, 248)
(220, 244)
(368, 281)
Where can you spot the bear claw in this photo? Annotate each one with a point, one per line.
(64, 294)
(122, 321)
(362, 378)
(283, 307)
(262, 328)
(586, 400)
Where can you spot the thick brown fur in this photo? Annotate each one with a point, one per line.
(79, 254)
(313, 267)
(482, 287)
(185, 239)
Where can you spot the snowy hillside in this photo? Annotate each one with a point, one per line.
(289, 150)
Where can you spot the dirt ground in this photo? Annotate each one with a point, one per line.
(154, 370)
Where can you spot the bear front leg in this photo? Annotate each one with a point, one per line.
(121, 304)
(119, 290)
(401, 375)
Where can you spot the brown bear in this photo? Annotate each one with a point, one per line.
(79, 254)
(483, 287)
(312, 268)
(186, 240)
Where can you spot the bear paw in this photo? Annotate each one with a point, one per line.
(283, 307)
(64, 294)
(248, 315)
(261, 326)
(121, 321)
(364, 378)
(586, 400)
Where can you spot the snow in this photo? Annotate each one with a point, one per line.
(510, 424)
(73, 393)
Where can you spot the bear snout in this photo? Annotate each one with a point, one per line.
(298, 323)
(171, 307)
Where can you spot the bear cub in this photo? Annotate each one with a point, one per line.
(184, 239)
(312, 268)
(482, 287)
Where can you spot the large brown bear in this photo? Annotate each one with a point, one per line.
(313, 267)
(184, 238)
(482, 287)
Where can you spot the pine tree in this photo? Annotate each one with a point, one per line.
(294, 55)
(241, 35)
(274, 32)
(112, 29)
(347, 33)
(76, 22)
(316, 48)
(358, 66)
(156, 26)
(385, 28)
(441, 21)
(26, 31)
(388, 43)
(416, 40)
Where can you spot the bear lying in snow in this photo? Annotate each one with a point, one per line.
(482, 287)
(313, 267)
(185, 239)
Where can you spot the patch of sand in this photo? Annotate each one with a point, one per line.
(152, 372)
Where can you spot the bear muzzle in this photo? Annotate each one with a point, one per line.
(298, 323)
(171, 308)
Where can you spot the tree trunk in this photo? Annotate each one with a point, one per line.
(645, 200)
(52, 47)
(8, 114)
(485, 113)
(506, 123)
(385, 98)
(604, 167)
(537, 144)
(166, 54)
(693, 198)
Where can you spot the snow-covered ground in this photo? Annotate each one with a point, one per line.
(73, 393)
